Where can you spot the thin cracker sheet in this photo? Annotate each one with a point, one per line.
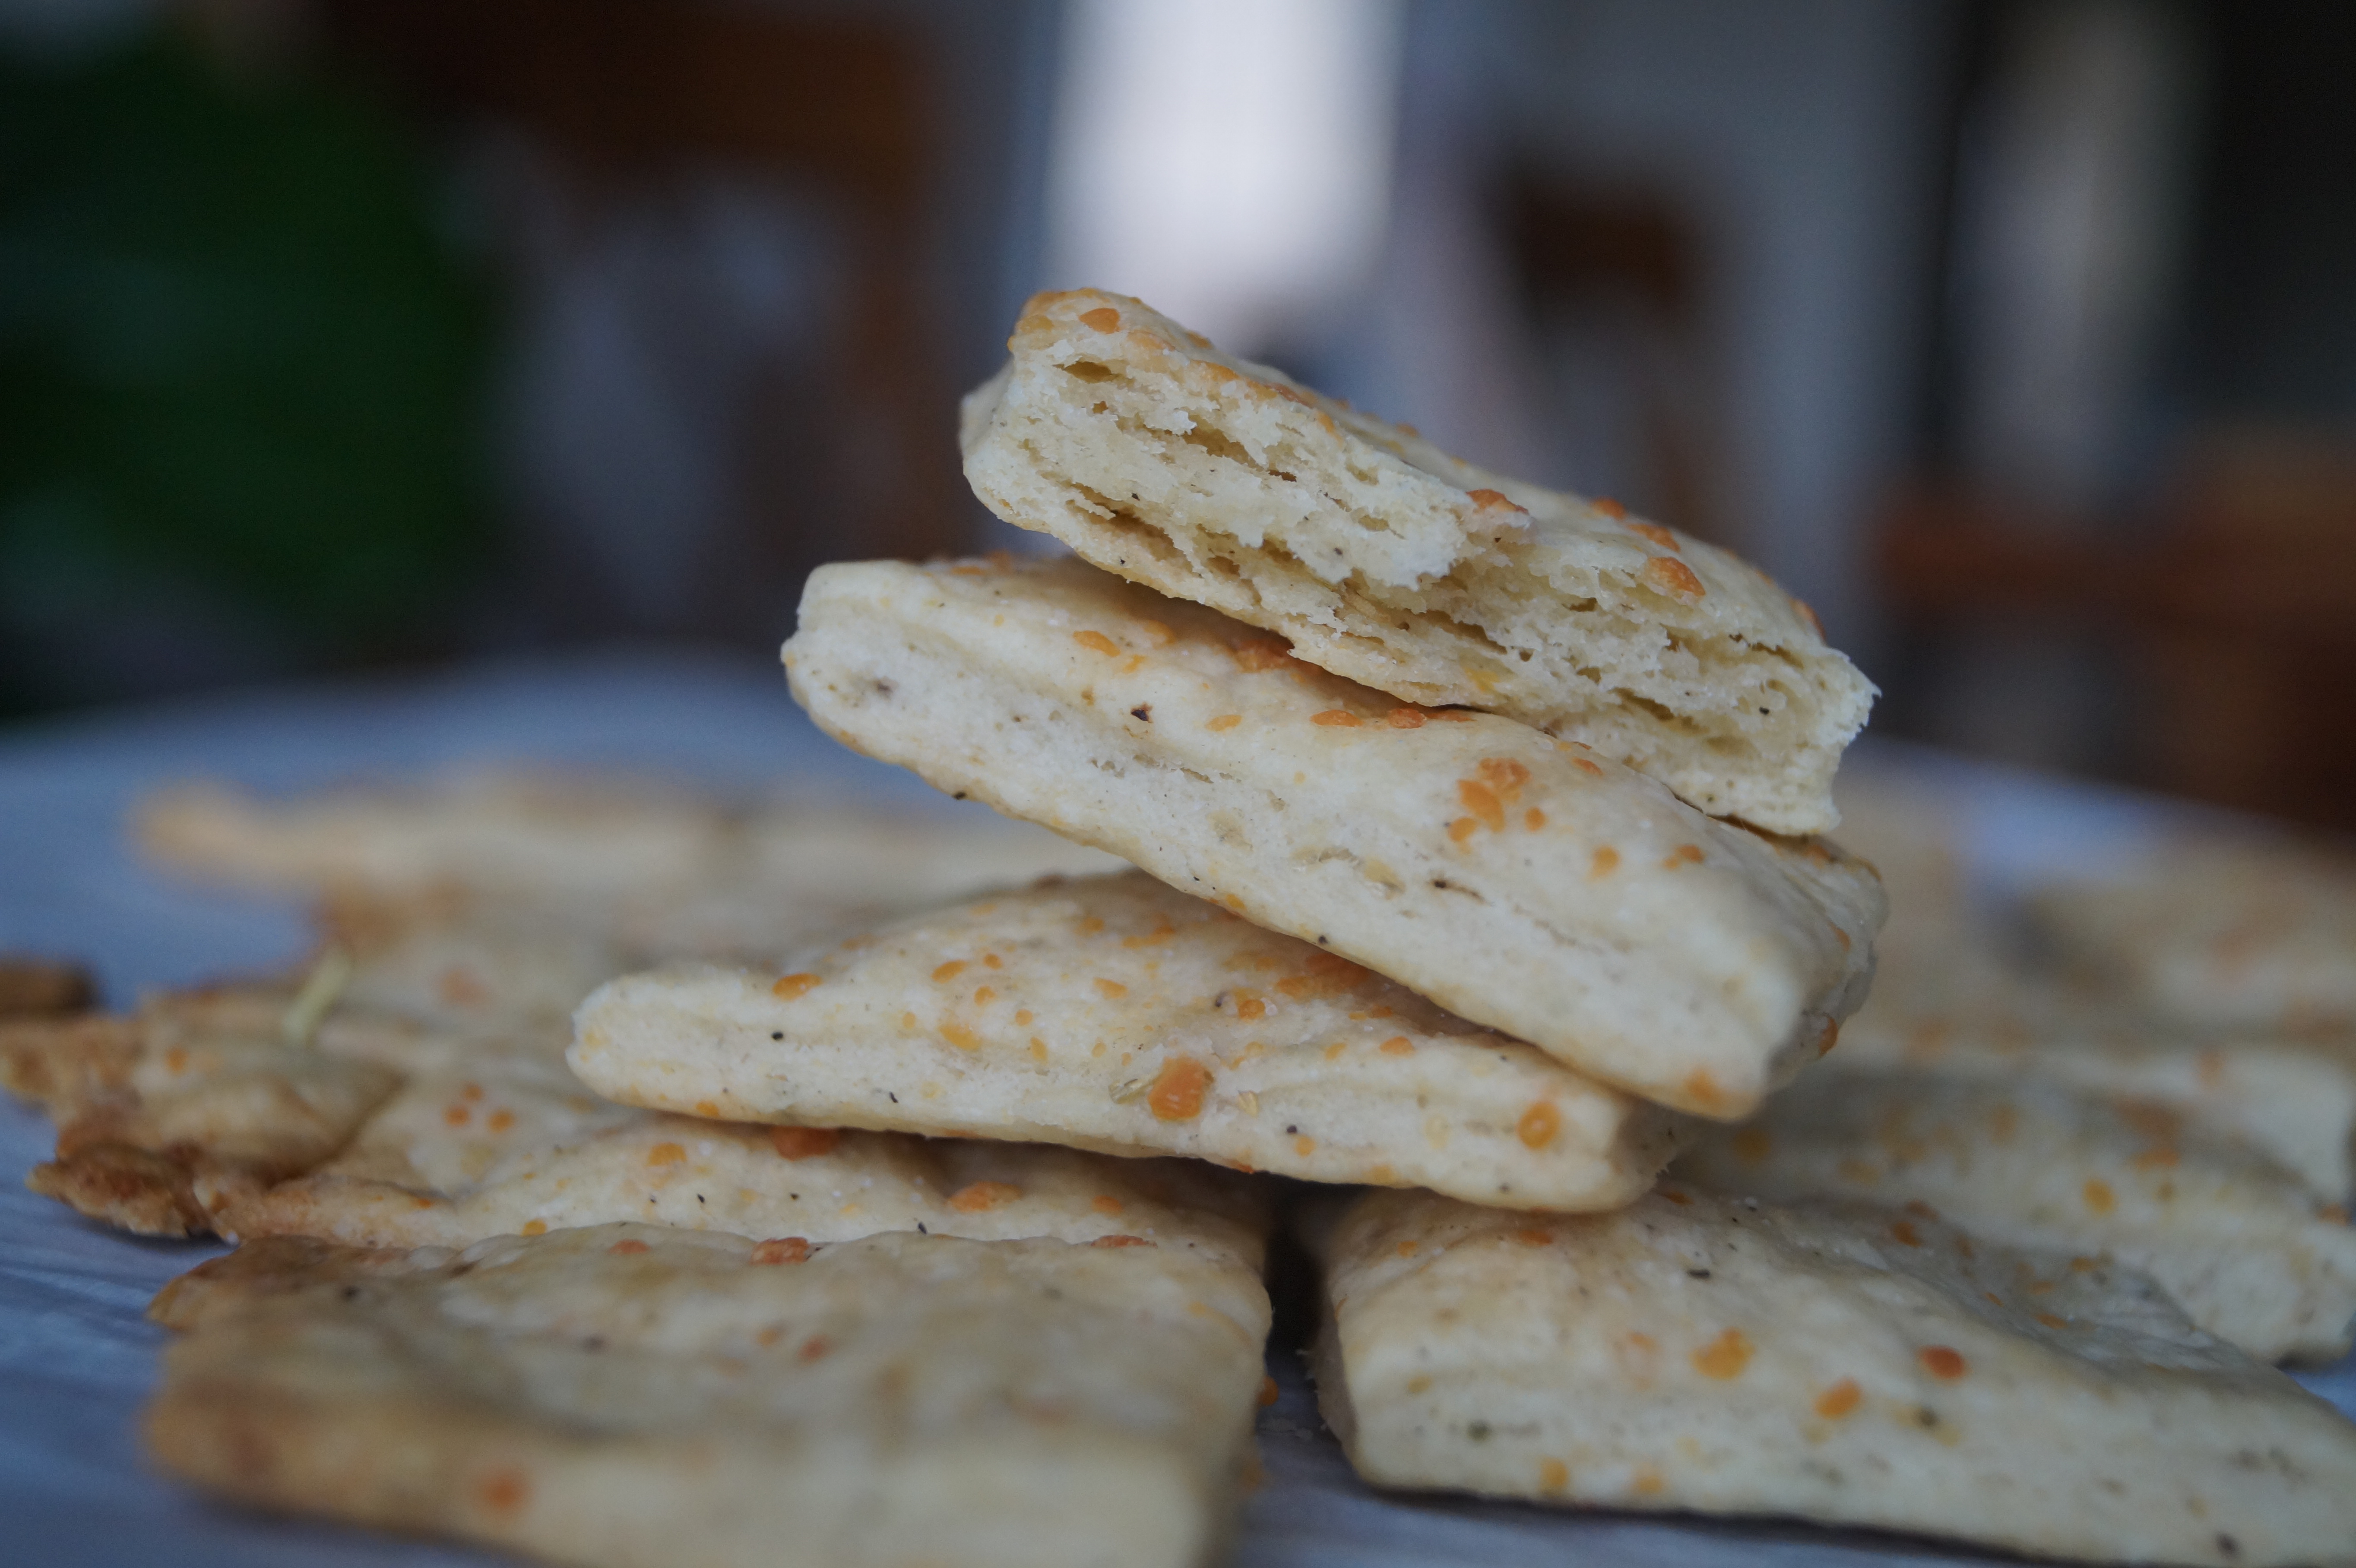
(633, 1395)
(2291, 1099)
(2241, 1243)
(2220, 933)
(1520, 882)
(1117, 1014)
(1720, 1355)
(1385, 559)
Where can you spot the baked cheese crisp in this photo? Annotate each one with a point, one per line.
(1841, 1363)
(1382, 558)
(1521, 881)
(2243, 1245)
(632, 1396)
(1117, 1014)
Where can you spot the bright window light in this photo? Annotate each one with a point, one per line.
(1227, 161)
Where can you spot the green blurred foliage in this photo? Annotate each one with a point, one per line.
(235, 353)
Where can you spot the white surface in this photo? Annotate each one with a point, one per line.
(77, 1357)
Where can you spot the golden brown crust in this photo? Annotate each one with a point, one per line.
(39, 988)
(145, 1191)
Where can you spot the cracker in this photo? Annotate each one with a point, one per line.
(483, 830)
(633, 1396)
(2292, 1100)
(1718, 1355)
(195, 1116)
(400, 1189)
(2220, 933)
(2240, 1243)
(1119, 1015)
(1517, 880)
(662, 864)
(160, 1125)
(1385, 559)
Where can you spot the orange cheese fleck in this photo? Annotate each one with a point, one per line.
(1178, 1089)
(813, 1347)
(792, 985)
(1113, 989)
(1534, 1238)
(503, 1490)
(1648, 1482)
(1104, 318)
(1483, 803)
(1941, 1363)
(804, 1143)
(1538, 1125)
(535, 1227)
(1608, 507)
(2100, 1198)
(1404, 718)
(782, 1250)
(1902, 1231)
(625, 1247)
(2051, 1321)
(1336, 719)
(1839, 1399)
(1553, 1474)
(1304, 1145)
(984, 995)
(1506, 776)
(1606, 861)
(460, 988)
(1724, 1357)
(1673, 575)
(1105, 1203)
(949, 971)
(1225, 721)
(957, 1034)
(458, 1115)
(976, 1196)
(1096, 643)
(1249, 1007)
(1658, 535)
(1266, 1396)
(1258, 653)
(1120, 1241)
(1684, 854)
(1493, 500)
(1703, 1090)
(501, 1120)
(1751, 1145)
(1533, 819)
(1463, 827)
(666, 1154)
(1398, 1045)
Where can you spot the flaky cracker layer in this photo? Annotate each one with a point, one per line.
(1520, 882)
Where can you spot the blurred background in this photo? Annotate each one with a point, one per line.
(2018, 337)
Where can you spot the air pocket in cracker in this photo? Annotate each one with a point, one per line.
(1520, 882)
(1117, 1014)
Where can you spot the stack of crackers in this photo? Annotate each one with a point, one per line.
(1444, 844)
